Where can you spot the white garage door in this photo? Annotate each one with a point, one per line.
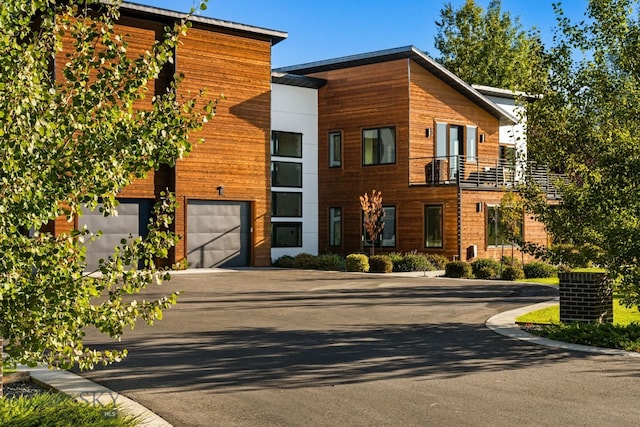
(218, 234)
(133, 217)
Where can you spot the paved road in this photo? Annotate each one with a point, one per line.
(290, 348)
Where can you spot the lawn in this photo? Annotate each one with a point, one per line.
(622, 315)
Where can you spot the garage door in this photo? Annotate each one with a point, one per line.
(133, 217)
(218, 234)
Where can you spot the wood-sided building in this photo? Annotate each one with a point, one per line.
(399, 122)
(223, 186)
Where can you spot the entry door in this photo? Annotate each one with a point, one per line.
(456, 147)
(218, 234)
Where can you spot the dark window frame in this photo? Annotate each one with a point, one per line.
(274, 172)
(274, 228)
(380, 152)
(274, 204)
(275, 144)
(426, 226)
(379, 241)
(333, 162)
(332, 227)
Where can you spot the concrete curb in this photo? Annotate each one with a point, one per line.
(87, 391)
(504, 324)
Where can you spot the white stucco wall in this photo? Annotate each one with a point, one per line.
(512, 134)
(295, 109)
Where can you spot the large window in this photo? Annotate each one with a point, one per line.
(433, 220)
(379, 146)
(286, 174)
(335, 226)
(335, 149)
(472, 143)
(286, 144)
(286, 234)
(386, 239)
(286, 204)
(497, 230)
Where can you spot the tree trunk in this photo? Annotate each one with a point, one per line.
(1, 369)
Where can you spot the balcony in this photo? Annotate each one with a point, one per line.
(481, 173)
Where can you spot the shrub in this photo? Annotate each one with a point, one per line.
(437, 260)
(305, 261)
(285, 261)
(380, 264)
(396, 259)
(536, 269)
(357, 262)
(512, 273)
(573, 256)
(486, 273)
(512, 261)
(330, 262)
(414, 262)
(483, 267)
(458, 269)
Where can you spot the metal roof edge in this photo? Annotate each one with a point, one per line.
(413, 53)
(275, 35)
(297, 80)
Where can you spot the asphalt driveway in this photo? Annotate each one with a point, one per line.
(302, 348)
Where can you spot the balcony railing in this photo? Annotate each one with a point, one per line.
(481, 173)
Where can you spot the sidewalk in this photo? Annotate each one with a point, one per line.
(92, 393)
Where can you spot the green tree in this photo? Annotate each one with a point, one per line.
(373, 216)
(586, 125)
(71, 142)
(488, 47)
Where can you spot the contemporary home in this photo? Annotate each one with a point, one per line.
(224, 186)
(439, 149)
(291, 150)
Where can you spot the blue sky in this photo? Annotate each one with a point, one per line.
(325, 29)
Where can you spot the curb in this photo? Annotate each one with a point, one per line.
(87, 391)
(504, 324)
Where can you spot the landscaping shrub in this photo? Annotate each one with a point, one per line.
(511, 261)
(486, 273)
(380, 264)
(285, 261)
(305, 261)
(437, 260)
(512, 273)
(572, 256)
(458, 269)
(396, 259)
(485, 268)
(537, 269)
(330, 262)
(412, 261)
(357, 262)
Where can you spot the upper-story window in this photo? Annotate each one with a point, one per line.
(286, 174)
(286, 144)
(335, 149)
(379, 146)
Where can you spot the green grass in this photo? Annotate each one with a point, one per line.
(555, 281)
(622, 315)
(623, 334)
(57, 410)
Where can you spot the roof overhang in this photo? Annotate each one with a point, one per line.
(407, 52)
(297, 80)
(234, 27)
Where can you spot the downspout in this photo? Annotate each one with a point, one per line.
(459, 211)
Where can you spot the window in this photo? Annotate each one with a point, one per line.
(472, 144)
(386, 239)
(450, 144)
(335, 226)
(496, 230)
(508, 153)
(379, 146)
(286, 144)
(286, 174)
(286, 204)
(433, 226)
(286, 234)
(335, 149)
